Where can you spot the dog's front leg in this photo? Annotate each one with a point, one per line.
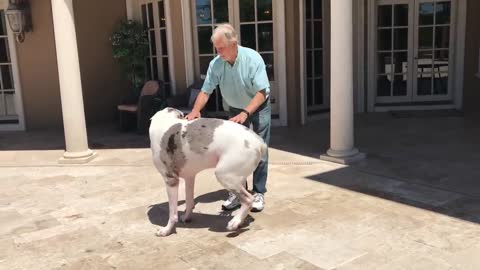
(172, 191)
(190, 204)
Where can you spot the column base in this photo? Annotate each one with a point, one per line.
(77, 158)
(349, 159)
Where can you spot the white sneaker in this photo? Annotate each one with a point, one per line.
(231, 203)
(258, 202)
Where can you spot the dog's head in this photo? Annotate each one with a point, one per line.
(172, 112)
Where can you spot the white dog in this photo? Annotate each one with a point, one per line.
(182, 148)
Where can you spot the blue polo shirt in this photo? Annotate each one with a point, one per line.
(238, 83)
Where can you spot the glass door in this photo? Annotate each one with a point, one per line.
(433, 39)
(413, 50)
(157, 60)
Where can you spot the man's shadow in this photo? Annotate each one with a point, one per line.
(158, 215)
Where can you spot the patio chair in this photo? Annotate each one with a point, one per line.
(184, 102)
(141, 112)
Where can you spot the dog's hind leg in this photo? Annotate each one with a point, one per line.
(172, 192)
(246, 200)
(190, 204)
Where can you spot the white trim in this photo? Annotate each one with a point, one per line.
(371, 85)
(360, 74)
(303, 96)
(281, 74)
(171, 60)
(188, 42)
(461, 26)
(16, 80)
(411, 108)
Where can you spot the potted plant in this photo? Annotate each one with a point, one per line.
(130, 47)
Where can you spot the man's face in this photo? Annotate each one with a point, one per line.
(225, 50)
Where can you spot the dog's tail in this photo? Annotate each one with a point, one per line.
(263, 151)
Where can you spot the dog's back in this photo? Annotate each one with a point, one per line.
(182, 147)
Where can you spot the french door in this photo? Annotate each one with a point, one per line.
(255, 22)
(157, 62)
(11, 110)
(414, 50)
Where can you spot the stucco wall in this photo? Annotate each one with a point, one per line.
(102, 81)
(38, 71)
(472, 46)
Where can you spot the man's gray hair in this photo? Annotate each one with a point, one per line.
(226, 31)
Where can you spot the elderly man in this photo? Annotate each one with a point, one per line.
(240, 72)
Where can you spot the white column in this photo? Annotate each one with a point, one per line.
(342, 148)
(70, 84)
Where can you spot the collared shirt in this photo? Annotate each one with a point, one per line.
(239, 82)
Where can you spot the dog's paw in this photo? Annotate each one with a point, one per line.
(164, 232)
(234, 224)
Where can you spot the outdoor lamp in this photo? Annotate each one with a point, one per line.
(18, 15)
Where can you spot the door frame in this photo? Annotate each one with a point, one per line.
(134, 13)
(459, 24)
(16, 78)
(278, 7)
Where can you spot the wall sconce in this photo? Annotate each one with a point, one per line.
(19, 18)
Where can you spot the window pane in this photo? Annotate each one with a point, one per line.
(442, 37)
(148, 69)
(308, 8)
(317, 35)
(204, 44)
(247, 10)
(204, 62)
(268, 58)
(264, 8)
(154, 68)
(144, 16)
(203, 10)
(400, 60)
(166, 70)
(384, 63)
(150, 16)
(10, 103)
(383, 86)
(247, 32)
(318, 63)
(309, 35)
(442, 12)
(7, 76)
(309, 92)
(317, 9)
(220, 11)
(384, 16)
(153, 42)
(425, 37)
(441, 61)
(385, 39)
(3, 30)
(309, 64)
(265, 37)
(161, 14)
(424, 84)
(400, 39)
(163, 36)
(4, 53)
(400, 85)
(318, 91)
(440, 84)
(401, 15)
(426, 13)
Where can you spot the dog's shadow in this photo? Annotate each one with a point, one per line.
(158, 215)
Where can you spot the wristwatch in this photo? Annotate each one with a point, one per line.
(246, 112)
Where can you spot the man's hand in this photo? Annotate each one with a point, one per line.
(193, 115)
(240, 118)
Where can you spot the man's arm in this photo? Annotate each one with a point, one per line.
(200, 101)
(252, 107)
